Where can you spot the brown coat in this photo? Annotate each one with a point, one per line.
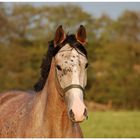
(43, 114)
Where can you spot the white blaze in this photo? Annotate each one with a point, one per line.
(70, 59)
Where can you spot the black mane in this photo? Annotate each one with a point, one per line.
(52, 51)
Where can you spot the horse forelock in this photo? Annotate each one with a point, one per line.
(52, 51)
(72, 41)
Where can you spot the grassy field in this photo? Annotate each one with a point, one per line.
(111, 124)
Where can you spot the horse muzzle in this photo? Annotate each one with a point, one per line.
(77, 110)
(78, 118)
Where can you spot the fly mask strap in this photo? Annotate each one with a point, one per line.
(61, 90)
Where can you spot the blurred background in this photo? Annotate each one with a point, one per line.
(113, 30)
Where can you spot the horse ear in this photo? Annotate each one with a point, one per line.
(81, 35)
(59, 36)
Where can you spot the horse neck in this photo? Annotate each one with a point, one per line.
(55, 103)
(48, 102)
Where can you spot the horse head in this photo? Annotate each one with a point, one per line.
(71, 71)
(70, 58)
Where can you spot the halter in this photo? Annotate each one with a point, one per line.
(61, 90)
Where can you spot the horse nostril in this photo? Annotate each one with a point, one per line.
(71, 114)
(85, 112)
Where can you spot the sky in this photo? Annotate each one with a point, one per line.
(113, 9)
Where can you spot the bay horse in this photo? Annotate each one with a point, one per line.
(56, 108)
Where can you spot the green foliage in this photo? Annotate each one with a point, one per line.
(113, 50)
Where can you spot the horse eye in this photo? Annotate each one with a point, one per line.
(58, 67)
(86, 65)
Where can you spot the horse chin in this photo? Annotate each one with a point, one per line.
(77, 121)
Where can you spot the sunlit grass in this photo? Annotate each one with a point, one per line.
(112, 124)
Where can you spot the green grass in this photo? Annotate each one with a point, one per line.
(111, 124)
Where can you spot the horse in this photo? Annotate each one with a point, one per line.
(56, 107)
